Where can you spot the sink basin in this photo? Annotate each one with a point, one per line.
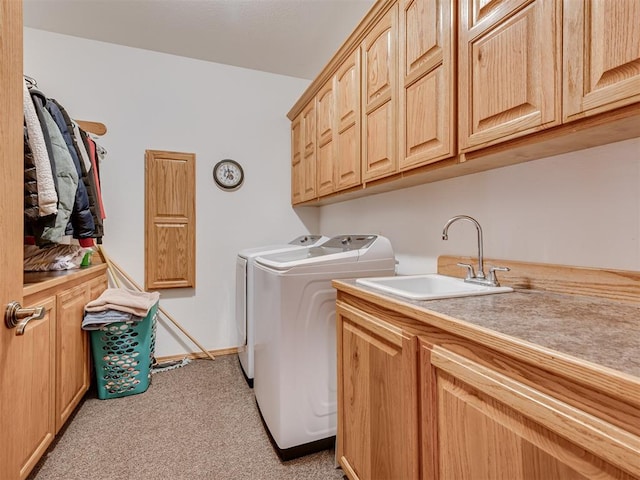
(429, 286)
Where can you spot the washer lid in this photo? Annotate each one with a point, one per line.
(295, 244)
(340, 249)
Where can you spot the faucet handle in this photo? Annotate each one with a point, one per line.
(492, 274)
(470, 272)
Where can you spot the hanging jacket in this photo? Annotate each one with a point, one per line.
(81, 225)
(90, 181)
(47, 195)
(91, 147)
(67, 181)
(38, 99)
(31, 212)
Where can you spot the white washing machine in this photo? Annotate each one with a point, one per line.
(295, 345)
(244, 294)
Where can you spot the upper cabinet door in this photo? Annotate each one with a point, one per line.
(379, 91)
(509, 69)
(347, 95)
(309, 151)
(296, 160)
(325, 138)
(601, 56)
(427, 89)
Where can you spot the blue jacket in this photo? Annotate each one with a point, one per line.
(82, 224)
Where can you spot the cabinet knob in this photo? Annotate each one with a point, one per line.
(17, 317)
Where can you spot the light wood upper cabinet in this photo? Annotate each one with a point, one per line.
(325, 138)
(601, 56)
(296, 160)
(377, 420)
(509, 69)
(379, 98)
(338, 129)
(308, 132)
(427, 81)
(347, 98)
(453, 87)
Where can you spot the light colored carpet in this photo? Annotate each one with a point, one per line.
(199, 421)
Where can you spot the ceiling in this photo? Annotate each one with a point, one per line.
(288, 37)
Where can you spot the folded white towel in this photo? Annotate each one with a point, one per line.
(123, 300)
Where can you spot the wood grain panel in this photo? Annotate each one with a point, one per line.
(601, 56)
(531, 434)
(30, 368)
(169, 220)
(377, 422)
(426, 107)
(296, 160)
(348, 159)
(72, 352)
(18, 359)
(511, 69)
(326, 115)
(309, 144)
(379, 98)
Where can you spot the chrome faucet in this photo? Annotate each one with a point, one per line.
(472, 277)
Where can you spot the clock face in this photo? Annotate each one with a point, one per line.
(228, 174)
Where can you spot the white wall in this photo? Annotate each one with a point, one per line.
(156, 101)
(581, 208)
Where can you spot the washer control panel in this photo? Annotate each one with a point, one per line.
(350, 242)
(305, 240)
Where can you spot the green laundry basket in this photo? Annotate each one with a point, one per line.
(123, 354)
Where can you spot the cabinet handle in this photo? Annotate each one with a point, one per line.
(16, 316)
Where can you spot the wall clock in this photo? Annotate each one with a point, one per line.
(228, 174)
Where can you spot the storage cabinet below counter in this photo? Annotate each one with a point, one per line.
(454, 399)
(49, 367)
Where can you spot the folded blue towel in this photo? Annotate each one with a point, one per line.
(97, 320)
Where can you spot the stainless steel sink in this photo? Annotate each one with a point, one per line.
(429, 286)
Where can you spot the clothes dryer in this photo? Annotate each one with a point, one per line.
(295, 345)
(244, 294)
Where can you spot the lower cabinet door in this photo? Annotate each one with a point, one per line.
(490, 426)
(72, 356)
(27, 393)
(377, 399)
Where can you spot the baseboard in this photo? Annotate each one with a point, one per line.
(197, 355)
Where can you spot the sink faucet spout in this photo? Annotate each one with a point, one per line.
(445, 236)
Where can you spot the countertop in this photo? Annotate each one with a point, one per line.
(599, 331)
